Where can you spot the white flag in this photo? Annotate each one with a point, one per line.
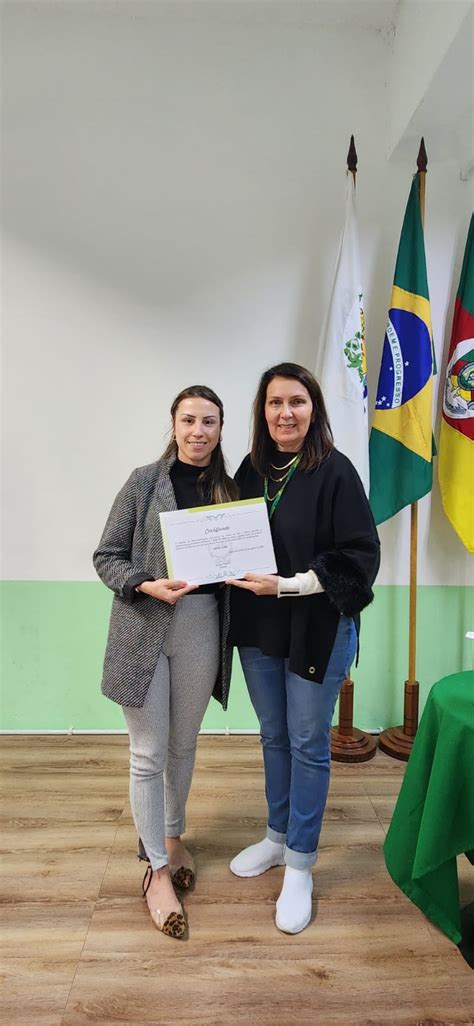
(342, 367)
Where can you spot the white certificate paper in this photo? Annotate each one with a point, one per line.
(209, 544)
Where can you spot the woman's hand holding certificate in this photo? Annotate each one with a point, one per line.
(165, 590)
(260, 584)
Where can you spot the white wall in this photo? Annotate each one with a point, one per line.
(424, 32)
(173, 199)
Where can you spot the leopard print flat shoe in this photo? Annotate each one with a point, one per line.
(172, 925)
(184, 876)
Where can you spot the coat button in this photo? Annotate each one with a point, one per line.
(312, 669)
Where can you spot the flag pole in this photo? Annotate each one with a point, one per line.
(398, 741)
(348, 743)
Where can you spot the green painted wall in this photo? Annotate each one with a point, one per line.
(54, 636)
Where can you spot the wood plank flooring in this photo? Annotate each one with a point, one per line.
(79, 948)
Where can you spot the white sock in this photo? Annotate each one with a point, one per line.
(293, 908)
(257, 858)
(267, 846)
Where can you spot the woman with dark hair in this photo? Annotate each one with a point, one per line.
(167, 649)
(297, 633)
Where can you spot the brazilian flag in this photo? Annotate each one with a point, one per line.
(401, 442)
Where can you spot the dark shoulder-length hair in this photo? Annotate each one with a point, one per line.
(214, 480)
(318, 442)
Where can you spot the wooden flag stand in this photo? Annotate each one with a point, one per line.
(348, 744)
(398, 741)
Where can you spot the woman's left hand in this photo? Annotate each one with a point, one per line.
(260, 584)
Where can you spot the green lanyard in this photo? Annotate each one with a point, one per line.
(276, 499)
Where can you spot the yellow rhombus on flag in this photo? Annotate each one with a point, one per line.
(401, 445)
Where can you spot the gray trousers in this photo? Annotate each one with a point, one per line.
(163, 732)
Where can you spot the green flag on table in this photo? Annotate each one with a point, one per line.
(400, 445)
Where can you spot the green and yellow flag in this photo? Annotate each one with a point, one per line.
(400, 444)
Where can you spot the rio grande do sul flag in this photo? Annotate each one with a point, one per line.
(456, 442)
(342, 368)
(401, 444)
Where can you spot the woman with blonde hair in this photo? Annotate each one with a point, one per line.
(167, 648)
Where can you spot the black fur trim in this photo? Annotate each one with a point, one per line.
(343, 581)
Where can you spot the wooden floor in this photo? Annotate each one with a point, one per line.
(79, 946)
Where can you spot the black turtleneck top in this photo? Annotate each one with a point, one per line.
(187, 490)
(190, 492)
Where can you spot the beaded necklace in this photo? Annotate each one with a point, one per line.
(276, 498)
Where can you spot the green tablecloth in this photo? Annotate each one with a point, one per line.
(433, 821)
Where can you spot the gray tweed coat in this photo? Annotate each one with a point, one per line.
(129, 552)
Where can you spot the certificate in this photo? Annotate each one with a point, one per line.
(208, 544)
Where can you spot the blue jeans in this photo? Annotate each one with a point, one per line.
(295, 718)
